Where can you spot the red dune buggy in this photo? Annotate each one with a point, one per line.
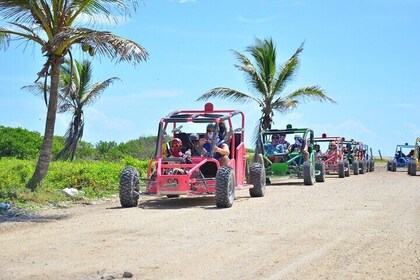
(333, 155)
(190, 173)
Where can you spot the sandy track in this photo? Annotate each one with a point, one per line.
(361, 227)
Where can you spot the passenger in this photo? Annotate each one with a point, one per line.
(411, 153)
(271, 147)
(318, 153)
(209, 136)
(176, 147)
(221, 147)
(297, 147)
(222, 130)
(282, 143)
(221, 153)
(198, 145)
(332, 150)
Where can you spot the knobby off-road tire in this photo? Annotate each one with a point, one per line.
(341, 169)
(367, 166)
(308, 173)
(320, 166)
(394, 166)
(129, 187)
(347, 168)
(372, 166)
(355, 166)
(412, 168)
(389, 165)
(258, 179)
(225, 187)
(362, 166)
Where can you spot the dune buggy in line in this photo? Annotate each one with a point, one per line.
(191, 174)
(401, 157)
(291, 163)
(357, 155)
(335, 163)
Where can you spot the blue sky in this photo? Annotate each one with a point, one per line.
(364, 53)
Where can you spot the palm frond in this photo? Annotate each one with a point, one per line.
(36, 89)
(97, 90)
(105, 43)
(287, 71)
(264, 54)
(252, 77)
(304, 94)
(229, 94)
(16, 10)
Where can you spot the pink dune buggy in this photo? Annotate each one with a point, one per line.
(333, 155)
(196, 174)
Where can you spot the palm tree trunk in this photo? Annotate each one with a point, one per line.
(266, 121)
(43, 164)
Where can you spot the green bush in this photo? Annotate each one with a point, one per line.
(96, 179)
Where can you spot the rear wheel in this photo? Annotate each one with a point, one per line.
(225, 187)
(129, 187)
(367, 165)
(355, 166)
(320, 166)
(347, 168)
(308, 173)
(362, 166)
(258, 179)
(372, 166)
(341, 169)
(413, 168)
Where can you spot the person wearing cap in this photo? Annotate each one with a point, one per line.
(297, 147)
(175, 147)
(198, 145)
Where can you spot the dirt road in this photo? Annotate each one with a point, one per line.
(361, 227)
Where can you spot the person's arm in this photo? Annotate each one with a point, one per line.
(224, 150)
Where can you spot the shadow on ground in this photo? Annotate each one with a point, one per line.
(17, 215)
(164, 203)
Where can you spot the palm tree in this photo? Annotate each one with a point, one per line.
(55, 26)
(75, 92)
(268, 83)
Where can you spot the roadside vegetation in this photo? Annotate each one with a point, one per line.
(94, 173)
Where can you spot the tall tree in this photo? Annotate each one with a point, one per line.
(268, 82)
(55, 25)
(76, 91)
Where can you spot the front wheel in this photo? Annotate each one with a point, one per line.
(225, 187)
(129, 187)
(347, 168)
(341, 169)
(355, 166)
(412, 168)
(258, 179)
(320, 167)
(308, 173)
(394, 166)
